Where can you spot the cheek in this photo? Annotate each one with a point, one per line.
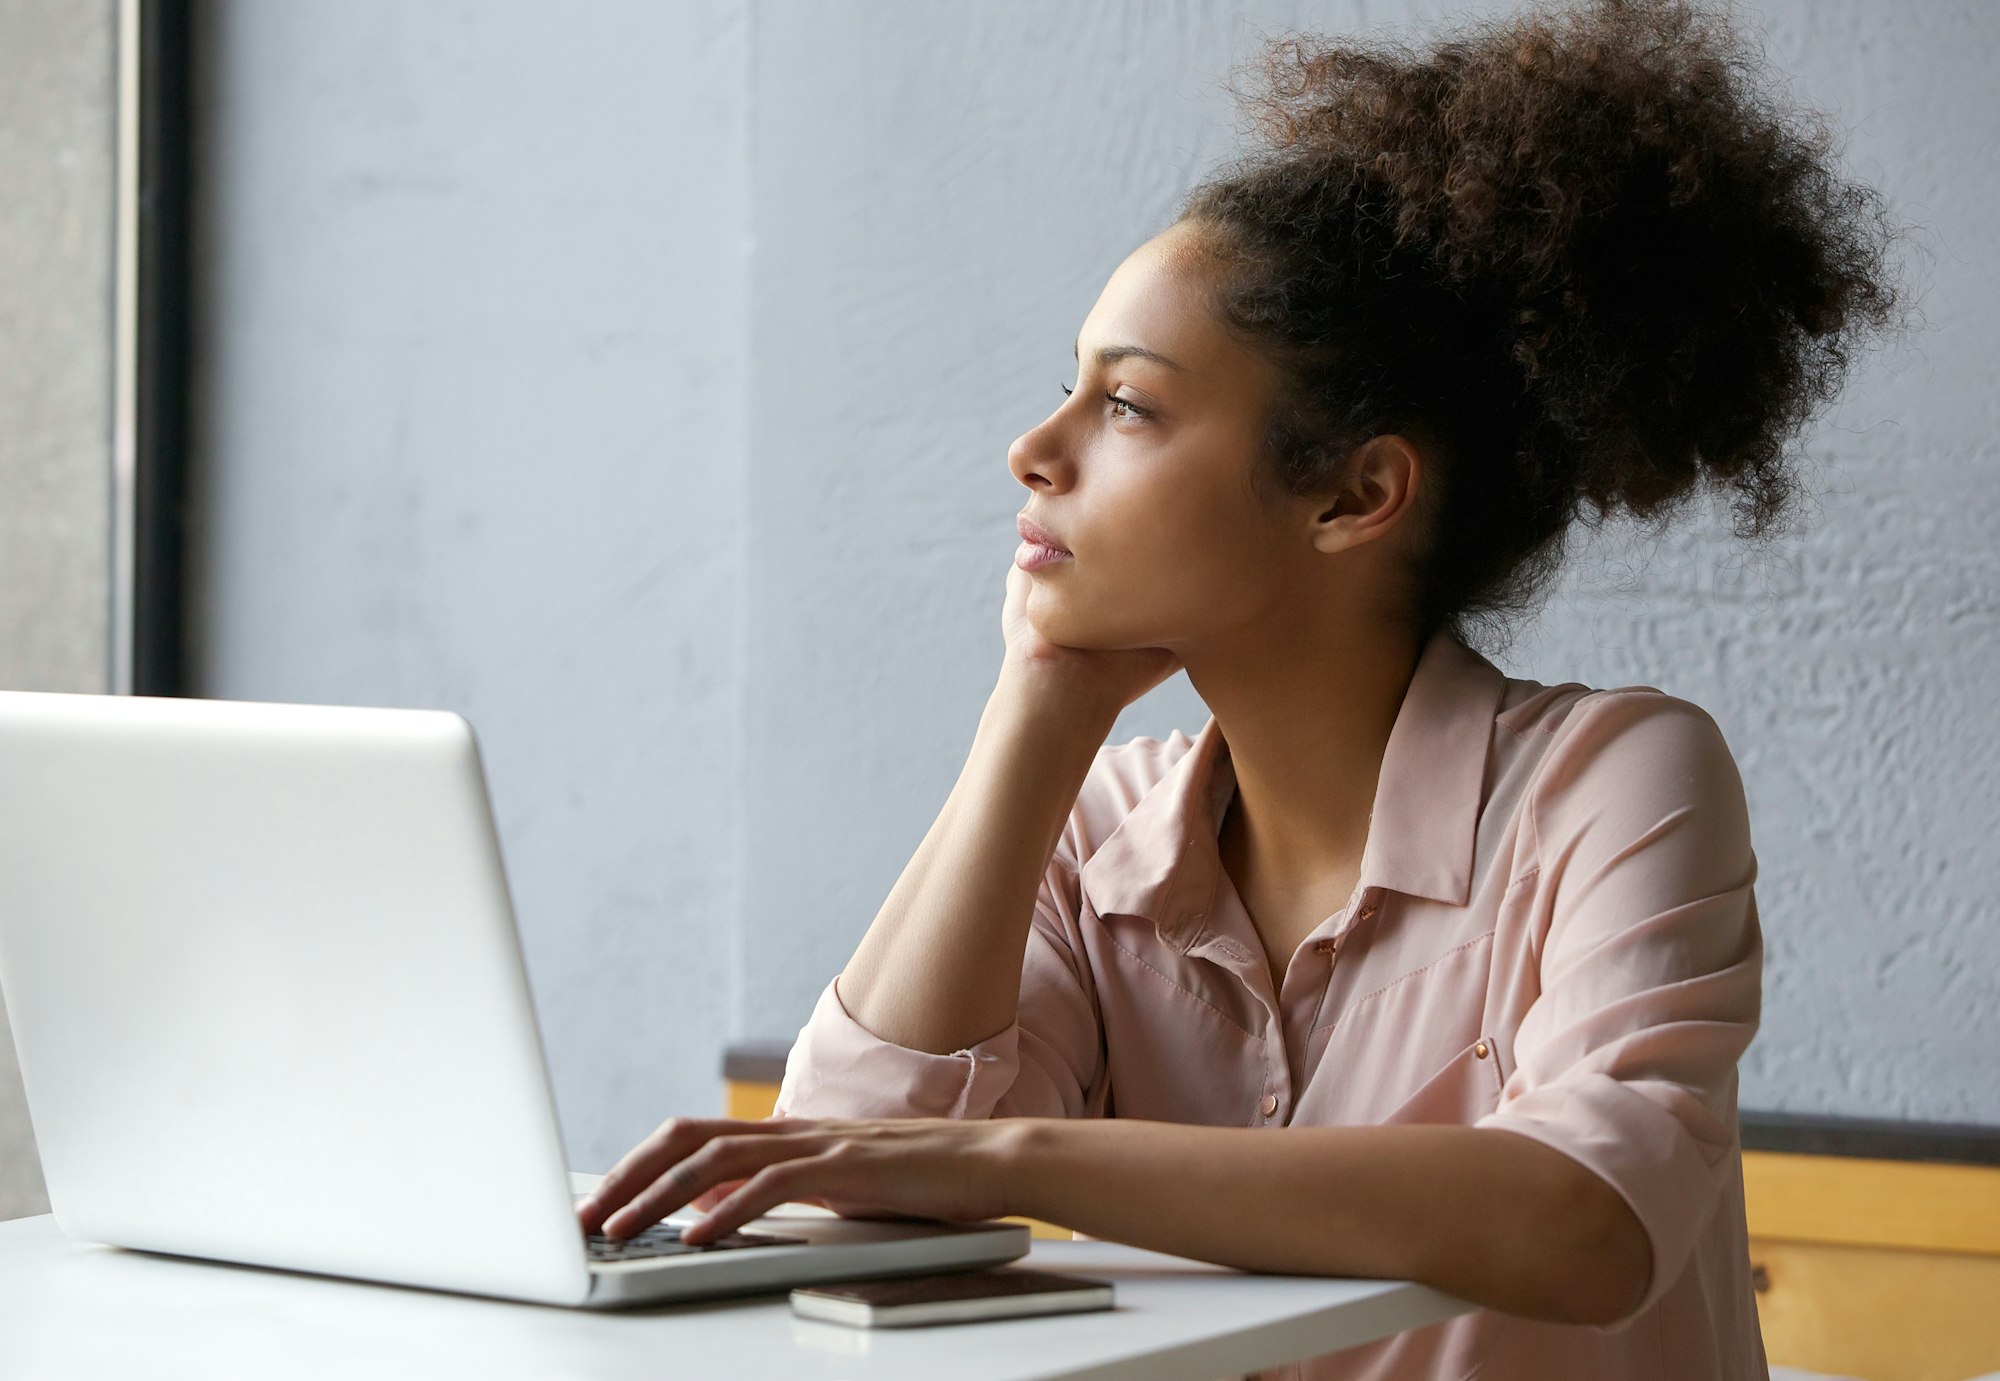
(1208, 580)
(1199, 541)
(1163, 575)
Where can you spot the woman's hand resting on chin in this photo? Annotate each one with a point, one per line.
(1108, 680)
(867, 1168)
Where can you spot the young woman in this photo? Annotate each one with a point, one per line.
(1400, 967)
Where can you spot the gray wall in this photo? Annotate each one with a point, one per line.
(639, 381)
(58, 164)
(475, 283)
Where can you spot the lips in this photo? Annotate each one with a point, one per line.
(1040, 536)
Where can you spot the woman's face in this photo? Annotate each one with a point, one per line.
(1143, 474)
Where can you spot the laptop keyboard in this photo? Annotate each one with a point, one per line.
(664, 1239)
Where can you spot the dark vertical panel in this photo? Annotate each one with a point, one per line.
(164, 344)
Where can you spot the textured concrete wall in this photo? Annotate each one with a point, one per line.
(474, 299)
(58, 164)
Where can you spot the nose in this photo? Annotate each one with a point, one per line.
(1040, 460)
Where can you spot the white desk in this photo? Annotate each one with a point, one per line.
(70, 1310)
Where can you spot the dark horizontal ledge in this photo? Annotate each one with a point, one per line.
(1812, 1134)
(1803, 1134)
(755, 1062)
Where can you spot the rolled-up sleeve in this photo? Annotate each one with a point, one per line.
(1651, 964)
(1047, 1063)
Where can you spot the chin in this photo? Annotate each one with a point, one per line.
(1060, 626)
(1065, 628)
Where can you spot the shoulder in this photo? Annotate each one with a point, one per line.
(1623, 760)
(1575, 724)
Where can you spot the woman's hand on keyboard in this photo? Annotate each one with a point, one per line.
(869, 1168)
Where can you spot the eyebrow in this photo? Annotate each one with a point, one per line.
(1111, 354)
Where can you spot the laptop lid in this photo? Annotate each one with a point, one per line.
(267, 993)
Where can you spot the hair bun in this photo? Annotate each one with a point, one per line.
(1604, 218)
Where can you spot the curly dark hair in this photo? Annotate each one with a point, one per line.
(1591, 250)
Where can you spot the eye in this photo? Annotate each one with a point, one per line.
(1131, 409)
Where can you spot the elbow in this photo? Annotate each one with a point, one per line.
(1572, 1251)
(1607, 1264)
(1561, 1246)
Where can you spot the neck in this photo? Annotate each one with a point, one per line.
(1307, 720)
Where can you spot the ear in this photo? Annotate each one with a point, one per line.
(1383, 475)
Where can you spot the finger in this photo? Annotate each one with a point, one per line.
(777, 1183)
(706, 1176)
(709, 1198)
(722, 1159)
(673, 1140)
(1015, 601)
(643, 1164)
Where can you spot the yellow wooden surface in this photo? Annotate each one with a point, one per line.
(1878, 1313)
(1882, 1269)
(1873, 1203)
(754, 1102)
(749, 1102)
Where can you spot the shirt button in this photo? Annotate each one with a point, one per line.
(1269, 1105)
(1367, 912)
(1326, 946)
(1480, 1050)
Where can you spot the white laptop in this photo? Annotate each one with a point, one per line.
(270, 1007)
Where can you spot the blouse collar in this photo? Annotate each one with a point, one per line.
(1161, 862)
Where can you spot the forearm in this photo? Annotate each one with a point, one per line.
(1492, 1217)
(940, 967)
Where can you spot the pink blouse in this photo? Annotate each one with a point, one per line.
(1554, 932)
